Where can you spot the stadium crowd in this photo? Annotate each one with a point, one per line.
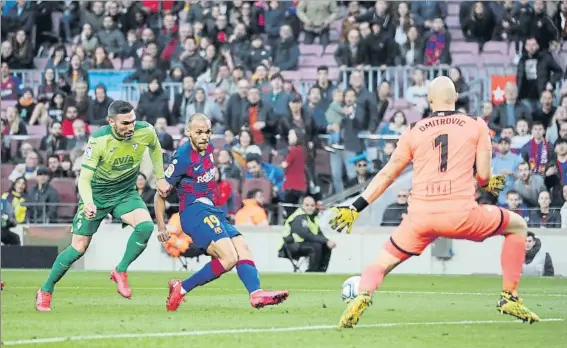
(243, 64)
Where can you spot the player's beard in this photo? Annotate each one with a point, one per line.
(123, 135)
(199, 147)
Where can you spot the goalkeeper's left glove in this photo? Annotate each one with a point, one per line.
(495, 184)
(346, 216)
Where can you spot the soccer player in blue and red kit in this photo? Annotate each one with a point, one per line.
(192, 172)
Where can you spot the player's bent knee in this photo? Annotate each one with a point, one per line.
(516, 225)
(145, 229)
(242, 249)
(136, 217)
(224, 250)
(80, 243)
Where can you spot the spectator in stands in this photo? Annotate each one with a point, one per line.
(325, 86)
(223, 197)
(479, 26)
(25, 148)
(245, 50)
(58, 59)
(9, 237)
(334, 115)
(380, 15)
(74, 75)
(515, 204)
(285, 54)
(505, 163)
(80, 136)
(402, 22)
(256, 118)
(48, 86)
(54, 141)
(353, 10)
(100, 59)
(8, 55)
(26, 104)
(6, 152)
(257, 54)
(244, 147)
(13, 201)
(487, 109)
(275, 18)
(201, 104)
(298, 118)
(100, 105)
(351, 126)
(315, 109)
(87, 39)
(303, 237)
(94, 14)
(294, 166)
(396, 126)
(43, 199)
(154, 103)
(165, 139)
(54, 166)
(461, 87)
(537, 151)
(70, 116)
(147, 71)
(560, 19)
(16, 126)
(546, 33)
(67, 167)
(544, 216)
(22, 50)
(220, 101)
(146, 192)
(417, 92)
(10, 85)
(252, 212)
(545, 112)
(411, 52)
(556, 173)
(538, 261)
(425, 13)
(317, 17)
(256, 168)
(528, 185)
(380, 49)
(365, 107)
(191, 60)
(226, 166)
(22, 15)
(511, 111)
(182, 100)
(277, 99)
(537, 72)
(28, 169)
(168, 31)
(437, 45)
(350, 54)
(396, 212)
(559, 118)
(363, 174)
(213, 62)
(383, 102)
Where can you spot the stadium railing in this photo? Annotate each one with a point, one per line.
(71, 207)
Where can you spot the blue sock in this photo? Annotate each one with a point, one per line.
(248, 275)
(209, 272)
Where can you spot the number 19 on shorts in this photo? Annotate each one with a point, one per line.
(214, 223)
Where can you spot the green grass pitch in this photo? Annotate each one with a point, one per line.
(411, 311)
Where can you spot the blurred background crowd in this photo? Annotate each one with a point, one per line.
(305, 97)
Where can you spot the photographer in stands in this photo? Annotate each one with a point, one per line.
(537, 262)
(303, 237)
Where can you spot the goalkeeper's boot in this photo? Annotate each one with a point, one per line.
(514, 306)
(43, 301)
(121, 279)
(175, 296)
(354, 311)
(261, 298)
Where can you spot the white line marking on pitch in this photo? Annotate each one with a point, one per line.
(245, 331)
(400, 292)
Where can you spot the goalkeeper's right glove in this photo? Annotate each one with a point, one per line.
(495, 184)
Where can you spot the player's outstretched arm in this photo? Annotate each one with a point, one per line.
(159, 209)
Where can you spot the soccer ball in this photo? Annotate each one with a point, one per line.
(350, 289)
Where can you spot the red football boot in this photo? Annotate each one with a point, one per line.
(43, 301)
(261, 298)
(121, 278)
(175, 296)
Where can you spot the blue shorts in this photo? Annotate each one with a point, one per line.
(206, 224)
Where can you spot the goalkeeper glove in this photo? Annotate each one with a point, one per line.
(495, 184)
(346, 216)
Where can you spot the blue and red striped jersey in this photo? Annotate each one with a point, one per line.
(192, 174)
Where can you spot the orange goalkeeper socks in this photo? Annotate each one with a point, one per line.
(371, 278)
(512, 259)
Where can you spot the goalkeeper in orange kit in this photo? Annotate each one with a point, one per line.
(443, 148)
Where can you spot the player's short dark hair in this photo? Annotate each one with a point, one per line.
(322, 68)
(118, 107)
(252, 193)
(531, 234)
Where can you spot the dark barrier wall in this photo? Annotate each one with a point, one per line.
(28, 256)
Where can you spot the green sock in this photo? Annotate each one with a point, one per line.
(136, 244)
(61, 265)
